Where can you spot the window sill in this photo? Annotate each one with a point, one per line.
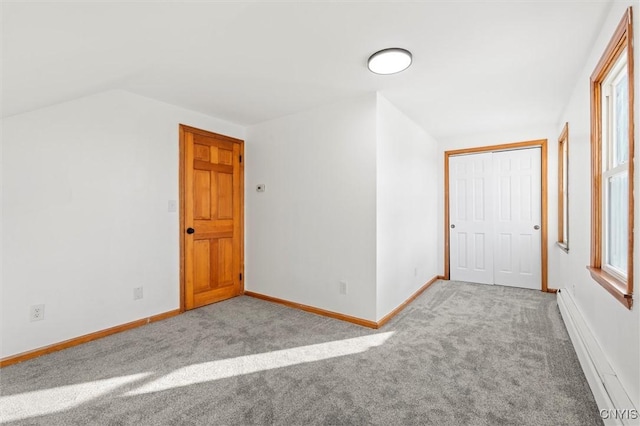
(617, 288)
(563, 246)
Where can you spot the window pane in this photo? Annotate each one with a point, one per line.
(617, 221)
(621, 114)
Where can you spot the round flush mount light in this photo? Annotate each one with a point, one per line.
(390, 61)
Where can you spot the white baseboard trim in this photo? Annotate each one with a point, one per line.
(607, 390)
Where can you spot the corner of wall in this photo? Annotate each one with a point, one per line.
(406, 220)
(100, 171)
(314, 226)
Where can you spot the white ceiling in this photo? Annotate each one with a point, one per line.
(478, 65)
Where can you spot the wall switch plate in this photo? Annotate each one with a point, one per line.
(172, 206)
(261, 187)
(37, 312)
(137, 293)
(343, 287)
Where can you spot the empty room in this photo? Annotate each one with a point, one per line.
(319, 212)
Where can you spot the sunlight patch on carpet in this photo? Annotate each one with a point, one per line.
(225, 368)
(48, 401)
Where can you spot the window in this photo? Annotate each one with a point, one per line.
(563, 188)
(612, 166)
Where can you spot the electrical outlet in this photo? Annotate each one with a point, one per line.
(172, 206)
(37, 312)
(415, 272)
(137, 293)
(343, 287)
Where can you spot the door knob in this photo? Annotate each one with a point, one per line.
(452, 226)
(536, 227)
(190, 230)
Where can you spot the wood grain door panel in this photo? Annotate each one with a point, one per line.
(212, 207)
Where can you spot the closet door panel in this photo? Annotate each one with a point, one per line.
(517, 226)
(471, 224)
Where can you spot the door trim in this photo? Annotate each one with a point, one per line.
(542, 144)
(181, 174)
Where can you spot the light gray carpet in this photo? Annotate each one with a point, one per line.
(460, 354)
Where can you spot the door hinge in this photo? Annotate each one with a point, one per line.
(241, 158)
(240, 277)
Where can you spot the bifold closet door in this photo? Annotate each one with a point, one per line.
(471, 221)
(494, 216)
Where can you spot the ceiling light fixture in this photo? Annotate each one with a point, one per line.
(389, 61)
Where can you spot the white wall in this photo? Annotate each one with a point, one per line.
(407, 226)
(85, 218)
(616, 329)
(316, 222)
(1, 238)
(87, 185)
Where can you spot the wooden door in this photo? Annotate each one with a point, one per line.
(211, 217)
(518, 218)
(471, 218)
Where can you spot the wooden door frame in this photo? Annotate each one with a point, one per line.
(542, 144)
(181, 172)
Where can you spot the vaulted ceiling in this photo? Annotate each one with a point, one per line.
(478, 65)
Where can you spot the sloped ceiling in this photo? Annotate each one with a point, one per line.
(478, 66)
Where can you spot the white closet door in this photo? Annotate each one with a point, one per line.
(471, 218)
(518, 216)
(495, 218)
